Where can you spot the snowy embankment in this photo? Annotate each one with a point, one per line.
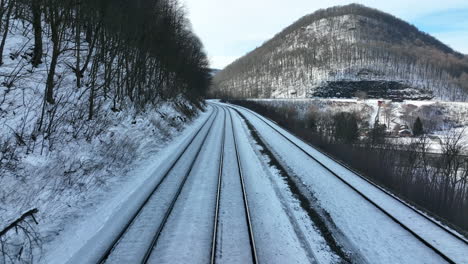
(99, 224)
(112, 168)
(55, 158)
(375, 235)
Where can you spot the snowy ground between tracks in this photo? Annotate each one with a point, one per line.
(275, 198)
(111, 169)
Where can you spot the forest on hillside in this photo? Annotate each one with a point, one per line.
(73, 61)
(143, 49)
(87, 88)
(347, 43)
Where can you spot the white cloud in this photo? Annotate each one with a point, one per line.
(229, 29)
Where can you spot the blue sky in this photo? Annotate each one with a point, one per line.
(229, 29)
(450, 26)
(450, 20)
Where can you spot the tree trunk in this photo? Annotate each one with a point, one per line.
(37, 14)
(93, 39)
(5, 33)
(54, 27)
(2, 11)
(91, 102)
(50, 76)
(78, 49)
(94, 71)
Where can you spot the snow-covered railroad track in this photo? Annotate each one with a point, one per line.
(125, 247)
(190, 204)
(233, 215)
(218, 195)
(452, 247)
(244, 194)
(215, 200)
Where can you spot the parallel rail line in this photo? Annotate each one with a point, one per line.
(174, 200)
(114, 243)
(244, 193)
(218, 194)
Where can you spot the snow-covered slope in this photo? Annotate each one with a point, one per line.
(67, 155)
(340, 51)
(81, 165)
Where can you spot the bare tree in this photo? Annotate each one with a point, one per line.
(8, 6)
(36, 8)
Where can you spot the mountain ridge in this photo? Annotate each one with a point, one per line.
(340, 44)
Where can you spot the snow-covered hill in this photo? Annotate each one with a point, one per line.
(344, 51)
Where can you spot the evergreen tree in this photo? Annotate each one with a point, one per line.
(418, 129)
(346, 127)
(377, 135)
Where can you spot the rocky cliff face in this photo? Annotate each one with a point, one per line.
(343, 50)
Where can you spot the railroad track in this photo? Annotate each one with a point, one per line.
(200, 136)
(157, 234)
(218, 195)
(244, 195)
(417, 236)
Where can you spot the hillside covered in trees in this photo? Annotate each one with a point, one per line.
(344, 51)
(67, 66)
(87, 88)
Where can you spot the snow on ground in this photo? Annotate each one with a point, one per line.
(233, 234)
(278, 221)
(110, 208)
(377, 237)
(118, 164)
(275, 237)
(187, 235)
(313, 242)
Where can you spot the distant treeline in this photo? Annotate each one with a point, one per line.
(345, 43)
(136, 51)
